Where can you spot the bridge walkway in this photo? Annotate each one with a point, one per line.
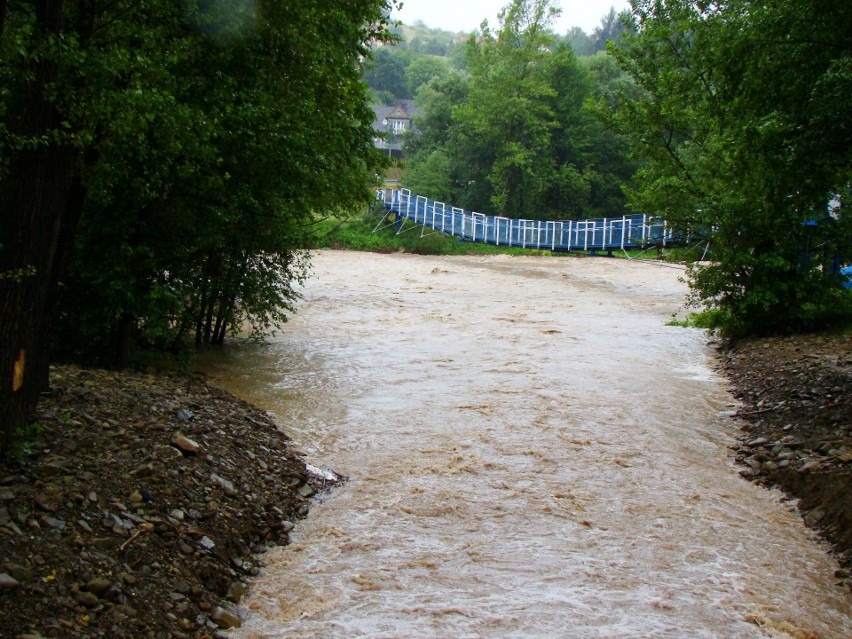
(607, 233)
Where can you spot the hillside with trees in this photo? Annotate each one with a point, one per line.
(503, 123)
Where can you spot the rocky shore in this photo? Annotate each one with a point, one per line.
(796, 419)
(144, 504)
(141, 508)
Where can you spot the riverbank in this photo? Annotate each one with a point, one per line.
(796, 419)
(142, 509)
(146, 503)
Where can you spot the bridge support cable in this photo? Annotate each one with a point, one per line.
(381, 225)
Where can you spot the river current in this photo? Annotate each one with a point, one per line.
(531, 453)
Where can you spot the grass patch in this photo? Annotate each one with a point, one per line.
(711, 319)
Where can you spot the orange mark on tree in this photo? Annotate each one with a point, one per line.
(18, 374)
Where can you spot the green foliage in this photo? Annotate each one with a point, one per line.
(581, 43)
(743, 126)
(419, 54)
(208, 134)
(17, 275)
(386, 72)
(711, 319)
(419, 39)
(22, 442)
(512, 135)
(425, 69)
(431, 174)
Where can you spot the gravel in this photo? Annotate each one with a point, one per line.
(138, 510)
(796, 422)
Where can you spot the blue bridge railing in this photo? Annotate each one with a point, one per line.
(606, 233)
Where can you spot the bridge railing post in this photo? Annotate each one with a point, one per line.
(407, 194)
(443, 214)
(420, 200)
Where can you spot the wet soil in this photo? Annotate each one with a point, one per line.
(796, 419)
(145, 504)
(142, 508)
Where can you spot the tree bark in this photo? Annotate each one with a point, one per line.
(37, 228)
(2, 18)
(125, 340)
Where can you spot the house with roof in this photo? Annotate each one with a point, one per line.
(393, 121)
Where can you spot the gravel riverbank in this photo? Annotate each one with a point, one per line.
(143, 508)
(796, 419)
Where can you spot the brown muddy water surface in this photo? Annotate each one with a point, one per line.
(531, 453)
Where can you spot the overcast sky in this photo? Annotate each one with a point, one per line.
(466, 15)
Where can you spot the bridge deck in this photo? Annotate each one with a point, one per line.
(607, 233)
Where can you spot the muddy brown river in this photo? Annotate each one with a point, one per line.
(532, 453)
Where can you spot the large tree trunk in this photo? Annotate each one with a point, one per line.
(37, 227)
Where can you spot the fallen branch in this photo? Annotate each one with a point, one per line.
(133, 538)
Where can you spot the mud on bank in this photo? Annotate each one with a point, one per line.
(796, 418)
(142, 509)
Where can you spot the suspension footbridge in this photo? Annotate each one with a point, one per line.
(596, 234)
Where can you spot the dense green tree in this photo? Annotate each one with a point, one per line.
(505, 124)
(425, 68)
(189, 143)
(745, 127)
(513, 135)
(386, 72)
(580, 42)
(608, 158)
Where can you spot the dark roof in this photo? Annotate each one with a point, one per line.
(400, 110)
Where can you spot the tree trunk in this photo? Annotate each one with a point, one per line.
(202, 311)
(125, 340)
(36, 230)
(2, 17)
(225, 314)
(208, 320)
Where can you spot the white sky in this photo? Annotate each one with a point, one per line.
(466, 15)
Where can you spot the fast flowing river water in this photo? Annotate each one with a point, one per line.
(532, 453)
